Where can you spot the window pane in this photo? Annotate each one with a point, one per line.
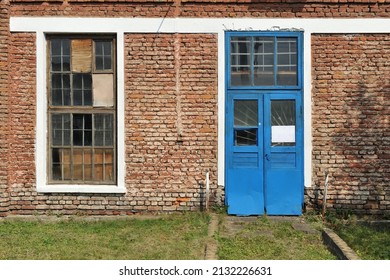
(56, 63)
(263, 61)
(287, 62)
(283, 121)
(82, 89)
(245, 113)
(103, 129)
(60, 55)
(99, 62)
(60, 89)
(60, 129)
(82, 129)
(56, 166)
(56, 48)
(245, 137)
(103, 55)
(240, 61)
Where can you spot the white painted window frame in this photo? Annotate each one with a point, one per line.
(120, 26)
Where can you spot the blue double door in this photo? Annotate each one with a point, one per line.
(264, 153)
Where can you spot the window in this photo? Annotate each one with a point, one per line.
(81, 110)
(263, 61)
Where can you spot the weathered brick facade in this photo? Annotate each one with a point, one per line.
(351, 119)
(3, 107)
(171, 108)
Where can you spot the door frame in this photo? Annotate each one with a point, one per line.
(250, 92)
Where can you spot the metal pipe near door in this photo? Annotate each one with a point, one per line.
(325, 193)
(207, 189)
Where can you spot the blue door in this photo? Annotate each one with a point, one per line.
(283, 154)
(264, 123)
(244, 140)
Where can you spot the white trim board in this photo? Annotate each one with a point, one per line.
(42, 25)
(196, 25)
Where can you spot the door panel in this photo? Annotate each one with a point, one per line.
(245, 159)
(283, 154)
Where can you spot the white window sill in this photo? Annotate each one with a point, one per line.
(81, 189)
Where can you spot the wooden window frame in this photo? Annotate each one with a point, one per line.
(81, 109)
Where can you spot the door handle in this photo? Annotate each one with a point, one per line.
(266, 157)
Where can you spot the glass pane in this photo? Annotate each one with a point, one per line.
(60, 129)
(82, 129)
(82, 89)
(56, 47)
(60, 89)
(56, 166)
(103, 55)
(283, 121)
(240, 61)
(56, 121)
(245, 113)
(56, 64)
(287, 62)
(107, 62)
(66, 63)
(263, 61)
(60, 55)
(103, 129)
(245, 137)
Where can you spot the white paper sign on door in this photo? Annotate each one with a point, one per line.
(283, 134)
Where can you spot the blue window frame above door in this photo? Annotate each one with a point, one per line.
(264, 60)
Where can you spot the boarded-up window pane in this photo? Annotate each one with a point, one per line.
(82, 55)
(103, 90)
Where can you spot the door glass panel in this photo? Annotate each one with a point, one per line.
(287, 62)
(240, 61)
(245, 137)
(283, 121)
(245, 122)
(263, 63)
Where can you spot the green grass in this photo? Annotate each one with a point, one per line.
(272, 240)
(368, 242)
(166, 237)
(170, 237)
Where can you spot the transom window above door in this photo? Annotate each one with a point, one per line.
(264, 60)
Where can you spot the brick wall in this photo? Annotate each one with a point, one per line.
(171, 128)
(87, 8)
(21, 110)
(351, 121)
(171, 108)
(287, 9)
(202, 8)
(3, 106)
(171, 118)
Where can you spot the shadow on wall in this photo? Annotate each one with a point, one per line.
(352, 129)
